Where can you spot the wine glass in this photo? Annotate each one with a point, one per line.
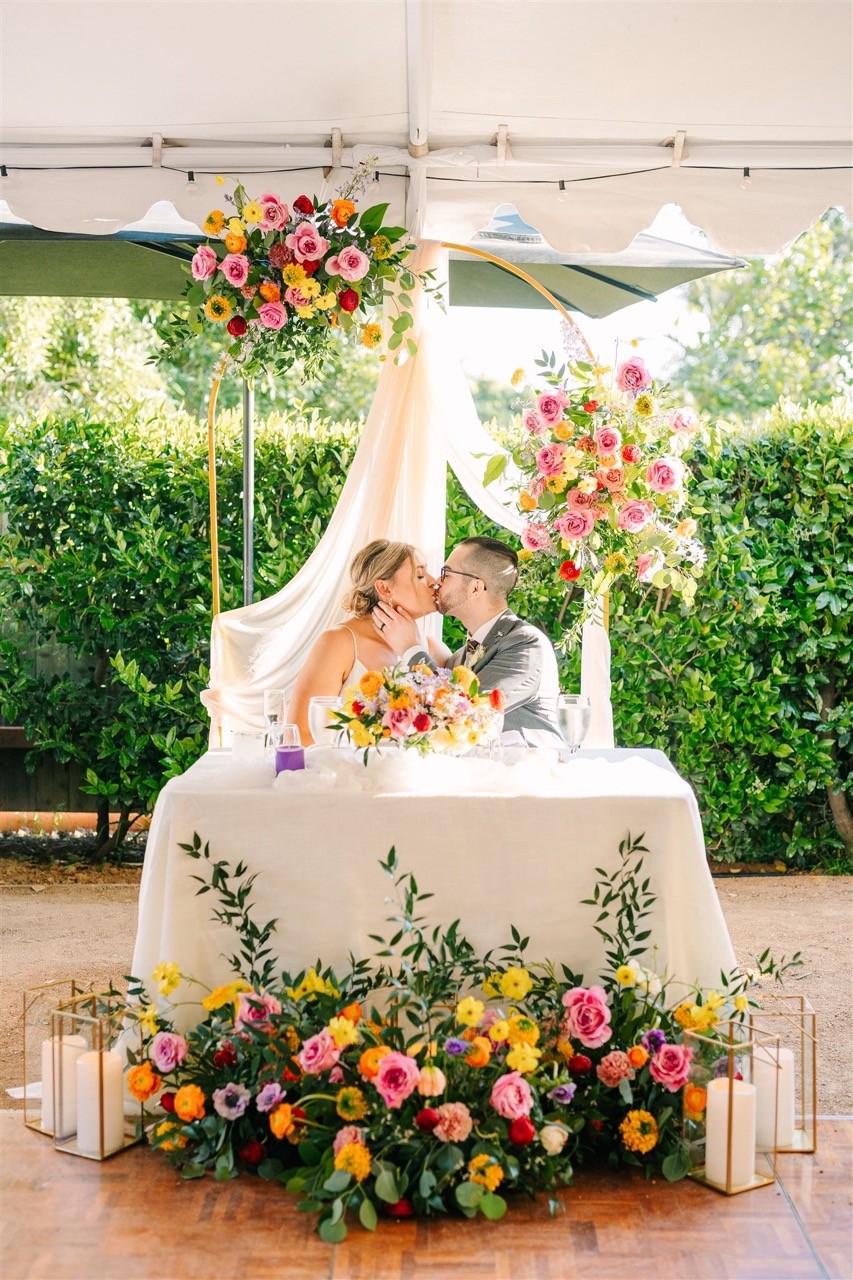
(573, 717)
(324, 730)
(274, 715)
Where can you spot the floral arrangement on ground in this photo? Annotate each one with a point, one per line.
(434, 1099)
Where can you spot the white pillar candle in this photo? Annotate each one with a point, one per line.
(88, 1109)
(770, 1082)
(717, 1131)
(71, 1047)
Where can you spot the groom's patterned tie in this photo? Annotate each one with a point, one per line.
(471, 647)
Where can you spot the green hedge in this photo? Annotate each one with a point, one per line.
(748, 693)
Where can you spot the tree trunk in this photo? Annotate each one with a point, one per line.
(103, 828)
(112, 843)
(837, 796)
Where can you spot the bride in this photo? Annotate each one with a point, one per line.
(391, 572)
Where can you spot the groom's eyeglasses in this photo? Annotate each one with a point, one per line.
(445, 569)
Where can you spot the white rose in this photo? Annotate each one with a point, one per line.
(553, 1138)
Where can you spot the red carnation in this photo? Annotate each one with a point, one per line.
(587, 444)
(569, 571)
(167, 1102)
(497, 698)
(357, 708)
(427, 1119)
(226, 1055)
(401, 1209)
(304, 205)
(422, 723)
(236, 326)
(590, 406)
(348, 300)
(252, 1154)
(631, 453)
(579, 1064)
(281, 256)
(521, 1132)
(310, 267)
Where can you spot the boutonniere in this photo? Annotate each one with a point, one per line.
(476, 655)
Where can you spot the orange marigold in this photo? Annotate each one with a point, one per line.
(143, 1081)
(214, 222)
(270, 292)
(342, 211)
(189, 1103)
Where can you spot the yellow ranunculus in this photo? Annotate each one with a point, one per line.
(557, 484)
(523, 1058)
(401, 702)
(343, 1032)
(563, 431)
(382, 247)
(469, 1011)
(464, 677)
(522, 1030)
(371, 336)
(167, 975)
(252, 212)
(370, 683)
(515, 983)
(626, 975)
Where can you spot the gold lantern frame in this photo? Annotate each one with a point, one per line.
(797, 1012)
(56, 990)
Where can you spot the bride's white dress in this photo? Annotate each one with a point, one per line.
(358, 669)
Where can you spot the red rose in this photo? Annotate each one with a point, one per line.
(236, 326)
(304, 205)
(427, 1119)
(579, 1064)
(167, 1102)
(281, 256)
(569, 571)
(422, 723)
(631, 453)
(401, 1209)
(587, 444)
(590, 406)
(310, 267)
(497, 698)
(252, 1154)
(521, 1132)
(357, 708)
(348, 300)
(290, 1076)
(226, 1055)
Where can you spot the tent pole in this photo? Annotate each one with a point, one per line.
(248, 490)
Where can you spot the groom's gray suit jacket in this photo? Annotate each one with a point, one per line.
(518, 659)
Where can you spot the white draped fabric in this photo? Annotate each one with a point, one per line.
(422, 416)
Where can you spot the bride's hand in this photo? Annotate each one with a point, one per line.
(396, 627)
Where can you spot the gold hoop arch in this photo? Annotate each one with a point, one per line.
(218, 376)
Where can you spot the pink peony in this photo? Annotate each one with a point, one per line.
(512, 1096)
(275, 212)
(648, 564)
(396, 1078)
(635, 515)
(633, 376)
(579, 500)
(273, 315)
(318, 1053)
(535, 537)
(167, 1051)
(607, 440)
(349, 1133)
(550, 459)
(587, 1016)
(254, 1010)
(235, 268)
(531, 422)
(575, 524)
(401, 722)
(455, 1123)
(306, 242)
(670, 1066)
(613, 478)
(613, 1068)
(204, 263)
(350, 264)
(684, 420)
(551, 405)
(664, 474)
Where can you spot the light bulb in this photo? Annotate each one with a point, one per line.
(746, 181)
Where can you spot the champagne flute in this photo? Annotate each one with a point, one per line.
(573, 716)
(274, 715)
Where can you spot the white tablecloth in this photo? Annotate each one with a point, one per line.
(497, 845)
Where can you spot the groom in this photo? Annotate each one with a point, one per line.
(503, 651)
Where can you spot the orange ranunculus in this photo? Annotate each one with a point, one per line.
(143, 1082)
(480, 1052)
(189, 1103)
(353, 1012)
(342, 211)
(637, 1056)
(526, 501)
(235, 244)
(368, 1063)
(281, 1120)
(270, 292)
(370, 683)
(695, 1101)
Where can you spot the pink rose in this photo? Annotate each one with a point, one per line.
(455, 1123)
(254, 1010)
(296, 297)
(167, 1051)
(633, 376)
(613, 1068)
(349, 1133)
(550, 459)
(648, 564)
(318, 1053)
(401, 722)
(607, 440)
(575, 524)
(351, 264)
(336, 1076)
(664, 474)
(587, 1016)
(579, 500)
(204, 263)
(396, 1078)
(535, 537)
(512, 1096)
(275, 212)
(306, 242)
(613, 478)
(635, 515)
(272, 315)
(670, 1066)
(531, 422)
(551, 405)
(536, 487)
(235, 268)
(684, 420)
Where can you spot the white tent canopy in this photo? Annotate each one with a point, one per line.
(587, 116)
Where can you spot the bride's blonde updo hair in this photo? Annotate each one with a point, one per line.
(377, 561)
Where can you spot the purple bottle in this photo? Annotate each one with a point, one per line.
(290, 754)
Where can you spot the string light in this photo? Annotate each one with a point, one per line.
(561, 194)
(746, 181)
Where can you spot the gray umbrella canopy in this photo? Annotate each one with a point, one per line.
(593, 283)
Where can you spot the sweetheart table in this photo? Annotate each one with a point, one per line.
(498, 844)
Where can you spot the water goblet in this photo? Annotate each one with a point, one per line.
(325, 731)
(573, 717)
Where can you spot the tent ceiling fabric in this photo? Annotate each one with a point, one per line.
(469, 104)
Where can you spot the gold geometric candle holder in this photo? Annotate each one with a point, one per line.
(720, 1108)
(39, 1054)
(793, 1019)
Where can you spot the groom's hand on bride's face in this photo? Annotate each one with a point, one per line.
(396, 627)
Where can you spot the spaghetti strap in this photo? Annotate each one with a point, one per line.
(354, 643)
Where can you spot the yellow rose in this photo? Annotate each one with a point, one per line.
(370, 683)
(515, 983)
(562, 431)
(469, 1011)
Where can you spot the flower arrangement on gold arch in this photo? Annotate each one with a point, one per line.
(280, 279)
(603, 481)
(478, 1076)
(431, 711)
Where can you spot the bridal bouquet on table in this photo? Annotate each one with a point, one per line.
(432, 711)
